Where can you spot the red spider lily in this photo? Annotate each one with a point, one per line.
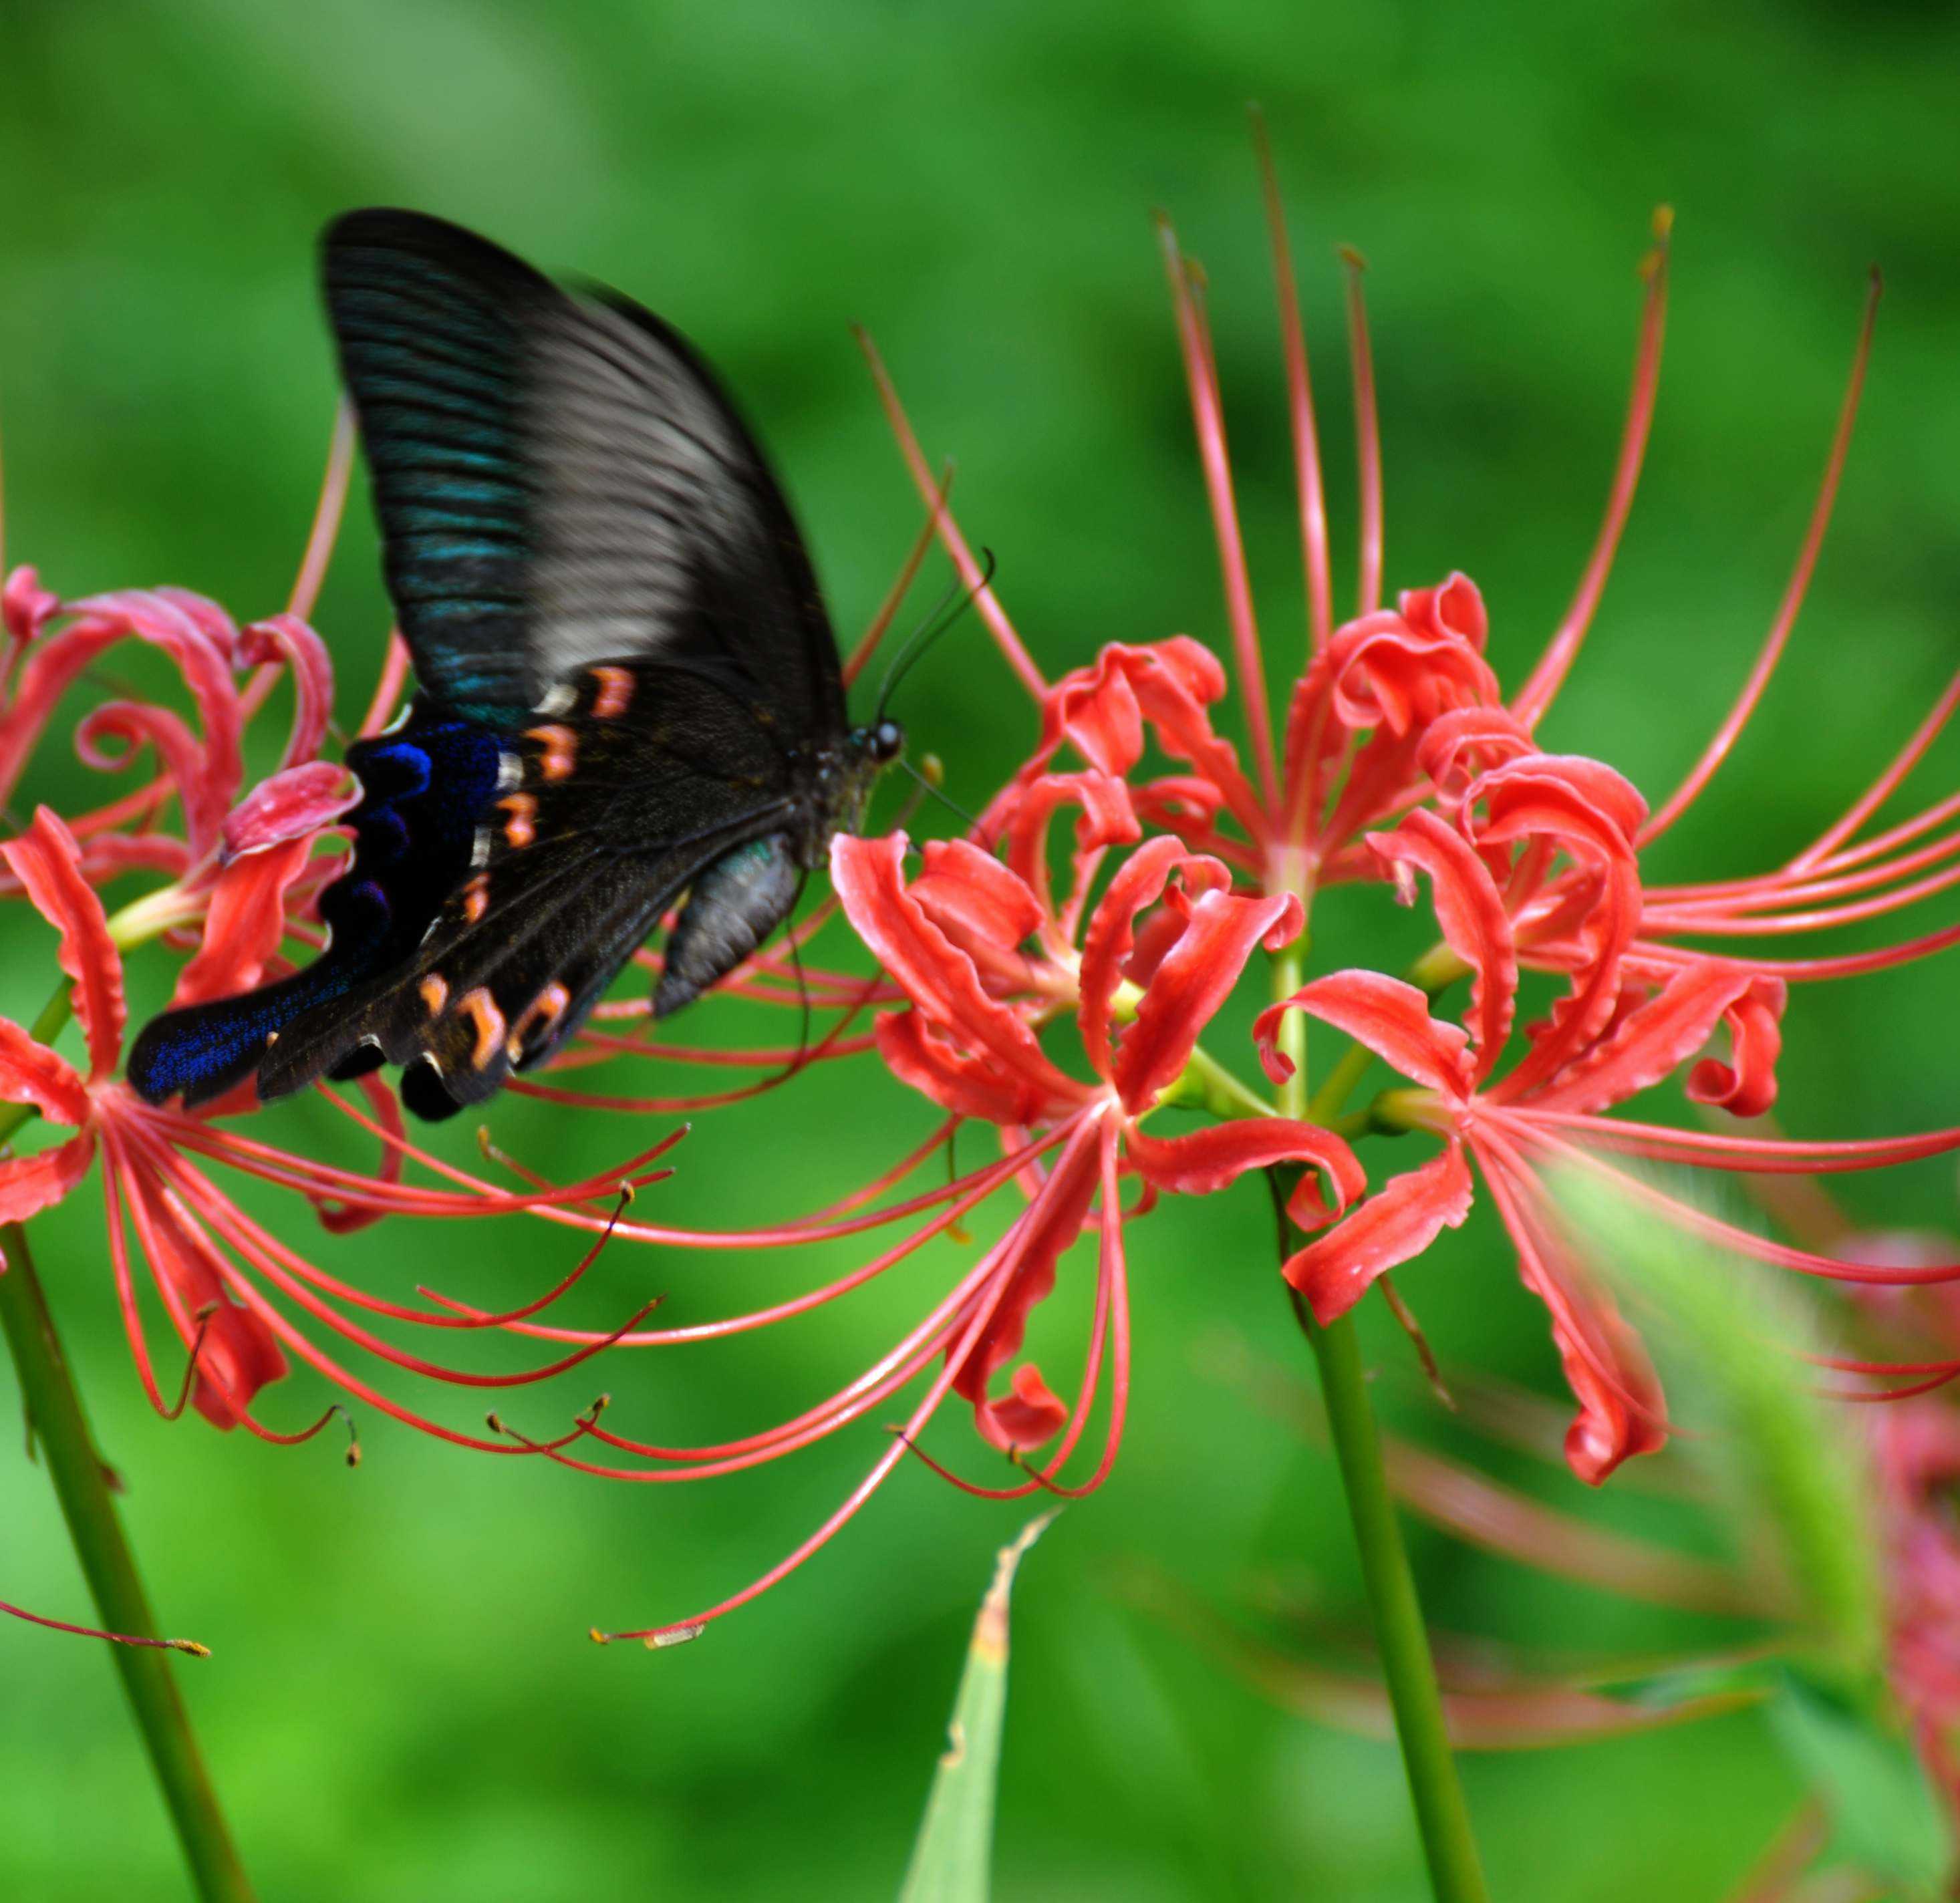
(1619, 1029)
(952, 940)
(1399, 716)
(212, 1264)
(1142, 969)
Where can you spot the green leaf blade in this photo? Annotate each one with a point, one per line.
(952, 1856)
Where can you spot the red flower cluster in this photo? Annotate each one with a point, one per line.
(1122, 880)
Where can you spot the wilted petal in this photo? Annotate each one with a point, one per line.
(294, 804)
(46, 861)
(1395, 1225)
(1388, 1015)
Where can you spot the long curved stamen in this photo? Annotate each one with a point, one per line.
(951, 1204)
(1300, 402)
(1883, 788)
(975, 1330)
(1002, 629)
(190, 1646)
(1367, 432)
(1555, 664)
(895, 598)
(327, 515)
(1777, 1255)
(1207, 413)
(1717, 751)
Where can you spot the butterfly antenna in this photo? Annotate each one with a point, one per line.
(931, 787)
(944, 615)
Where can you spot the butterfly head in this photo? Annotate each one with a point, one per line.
(881, 744)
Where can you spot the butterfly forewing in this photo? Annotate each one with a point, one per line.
(631, 695)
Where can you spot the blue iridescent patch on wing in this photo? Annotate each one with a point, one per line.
(423, 791)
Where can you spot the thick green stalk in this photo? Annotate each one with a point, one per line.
(1455, 1874)
(81, 1485)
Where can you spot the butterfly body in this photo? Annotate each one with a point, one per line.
(631, 697)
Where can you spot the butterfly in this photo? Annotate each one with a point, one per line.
(629, 693)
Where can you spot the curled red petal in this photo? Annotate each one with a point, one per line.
(25, 605)
(1111, 938)
(1384, 672)
(28, 1185)
(917, 1052)
(1453, 609)
(1747, 1087)
(1388, 1015)
(200, 639)
(1622, 1411)
(293, 803)
(1395, 1225)
(288, 638)
(243, 924)
(30, 1073)
(1029, 1415)
(1457, 746)
(974, 899)
(1208, 1159)
(1470, 912)
(237, 1354)
(205, 791)
(1194, 978)
(47, 862)
(1027, 1264)
(1650, 1041)
(1105, 817)
(934, 973)
(1587, 811)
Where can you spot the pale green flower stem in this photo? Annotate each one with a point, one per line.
(1443, 1818)
(81, 1484)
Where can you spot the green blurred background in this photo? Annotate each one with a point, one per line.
(402, 1703)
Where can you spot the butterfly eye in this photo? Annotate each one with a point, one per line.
(888, 742)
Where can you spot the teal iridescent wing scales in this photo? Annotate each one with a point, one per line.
(560, 481)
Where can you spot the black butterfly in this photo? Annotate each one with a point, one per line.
(630, 690)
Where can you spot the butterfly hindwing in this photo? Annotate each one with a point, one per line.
(601, 823)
